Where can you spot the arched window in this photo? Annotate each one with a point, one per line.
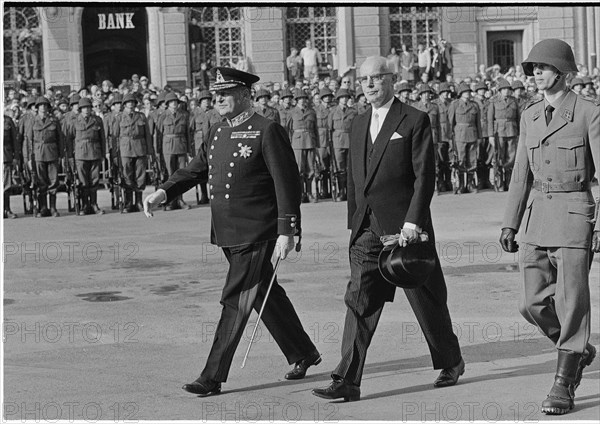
(216, 36)
(22, 43)
(412, 26)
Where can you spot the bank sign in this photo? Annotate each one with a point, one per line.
(115, 21)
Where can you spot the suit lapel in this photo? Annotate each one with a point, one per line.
(361, 143)
(393, 118)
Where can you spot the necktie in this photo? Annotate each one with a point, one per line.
(374, 127)
(549, 110)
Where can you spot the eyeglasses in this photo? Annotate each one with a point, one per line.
(375, 78)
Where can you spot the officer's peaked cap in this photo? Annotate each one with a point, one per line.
(230, 78)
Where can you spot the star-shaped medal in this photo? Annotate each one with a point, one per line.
(245, 151)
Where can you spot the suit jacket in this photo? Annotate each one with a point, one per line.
(568, 150)
(398, 181)
(254, 181)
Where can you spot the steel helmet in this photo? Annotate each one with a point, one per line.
(553, 52)
(502, 83)
(518, 84)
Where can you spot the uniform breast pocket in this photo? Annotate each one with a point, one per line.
(533, 150)
(571, 153)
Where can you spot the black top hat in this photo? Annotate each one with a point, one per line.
(407, 267)
(230, 78)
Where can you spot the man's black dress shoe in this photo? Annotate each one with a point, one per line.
(300, 368)
(203, 388)
(339, 388)
(449, 376)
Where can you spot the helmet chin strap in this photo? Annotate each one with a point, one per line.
(557, 78)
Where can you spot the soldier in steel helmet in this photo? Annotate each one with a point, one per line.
(286, 104)
(485, 150)
(86, 136)
(550, 199)
(430, 108)
(503, 129)
(263, 97)
(443, 152)
(322, 110)
(577, 86)
(340, 121)
(12, 159)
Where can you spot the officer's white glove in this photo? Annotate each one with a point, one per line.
(492, 141)
(155, 199)
(284, 245)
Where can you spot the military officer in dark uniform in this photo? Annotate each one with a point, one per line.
(443, 151)
(255, 205)
(47, 147)
(12, 152)
(86, 135)
(286, 105)
(302, 127)
(135, 145)
(503, 130)
(485, 150)
(173, 127)
(432, 110)
(340, 121)
(465, 121)
(557, 156)
(263, 109)
(324, 141)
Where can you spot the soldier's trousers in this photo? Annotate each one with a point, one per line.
(467, 155)
(442, 157)
(250, 271)
(47, 177)
(485, 151)
(506, 151)
(175, 162)
(134, 172)
(89, 173)
(341, 159)
(556, 294)
(305, 158)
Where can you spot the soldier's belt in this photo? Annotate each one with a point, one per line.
(300, 130)
(547, 187)
(175, 135)
(505, 120)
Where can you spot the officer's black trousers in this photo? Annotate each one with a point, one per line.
(250, 271)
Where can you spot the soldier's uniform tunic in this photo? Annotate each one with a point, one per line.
(445, 140)
(485, 151)
(465, 121)
(47, 146)
(302, 126)
(87, 137)
(174, 128)
(268, 112)
(322, 112)
(340, 122)
(255, 196)
(135, 144)
(558, 162)
(503, 124)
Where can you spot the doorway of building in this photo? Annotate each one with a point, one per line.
(115, 43)
(504, 48)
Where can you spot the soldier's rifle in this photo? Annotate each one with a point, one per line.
(120, 183)
(333, 185)
(75, 184)
(26, 192)
(114, 179)
(33, 187)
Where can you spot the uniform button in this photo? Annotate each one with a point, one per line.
(210, 177)
(249, 127)
(227, 186)
(239, 144)
(227, 196)
(210, 156)
(549, 178)
(232, 164)
(209, 166)
(219, 130)
(235, 155)
(215, 137)
(229, 174)
(292, 225)
(212, 196)
(549, 196)
(212, 147)
(211, 186)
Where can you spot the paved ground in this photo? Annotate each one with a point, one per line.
(106, 317)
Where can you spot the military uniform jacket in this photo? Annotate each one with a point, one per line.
(199, 125)
(568, 150)
(174, 129)
(503, 117)
(484, 105)
(134, 135)
(87, 138)
(24, 132)
(433, 111)
(254, 181)
(445, 129)
(283, 114)
(340, 123)
(153, 128)
(302, 127)
(465, 121)
(10, 142)
(48, 139)
(268, 112)
(322, 112)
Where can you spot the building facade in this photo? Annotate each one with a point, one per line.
(71, 46)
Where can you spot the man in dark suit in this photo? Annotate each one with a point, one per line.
(255, 205)
(391, 178)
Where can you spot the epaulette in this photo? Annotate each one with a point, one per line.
(531, 103)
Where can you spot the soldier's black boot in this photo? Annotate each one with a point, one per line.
(586, 359)
(42, 207)
(129, 206)
(85, 202)
(507, 177)
(561, 398)
(312, 198)
(94, 202)
(448, 178)
(204, 197)
(53, 209)
(342, 197)
(473, 182)
(139, 206)
(7, 212)
(325, 193)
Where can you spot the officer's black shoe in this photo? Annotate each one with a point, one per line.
(561, 398)
(339, 388)
(299, 371)
(54, 212)
(97, 209)
(586, 359)
(203, 387)
(449, 376)
(45, 212)
(9, 215)
(203, 200)
(183, 205)
(304, 198)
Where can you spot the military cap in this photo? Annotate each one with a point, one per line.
(42, 101)
(230, 78)
(502, 83)
(84, 102)
(204, 94)
(342, 92)
(62, 101)
(462, 87)
(31, 101)
(324, 92)
(170, 97)
(129, 98)
(286, 93)
(517, 84)
(587, 80)
(576, 81)
(480, 86)
(551, 51)
(161, 97)
(403, 86)
(262, 93)
(359, 92)
(300, 93)
(444, 87)
(425, 88)
(117, 98)
(74, 99)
